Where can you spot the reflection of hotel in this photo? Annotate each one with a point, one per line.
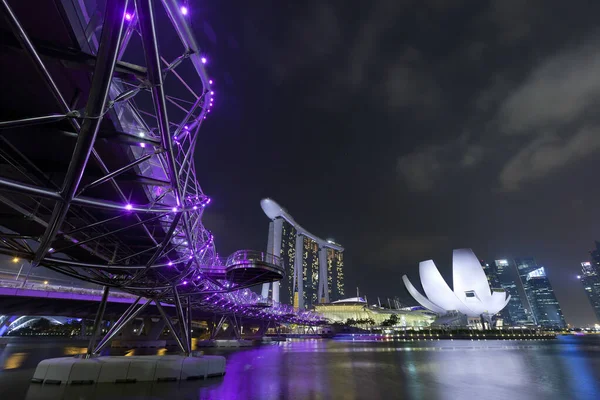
(314, 277)
(356, 308)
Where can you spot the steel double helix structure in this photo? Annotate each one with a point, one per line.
(102, 109)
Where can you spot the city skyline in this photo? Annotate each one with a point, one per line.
(421, 135)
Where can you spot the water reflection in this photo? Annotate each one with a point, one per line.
(324, 369)
(15, 360)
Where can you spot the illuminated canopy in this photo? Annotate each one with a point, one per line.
(471, 296)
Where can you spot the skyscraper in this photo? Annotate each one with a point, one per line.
(494, 282)
(499, 277)
(590, 278)
(313, 266)
(335, 274)
(515, 307)
(540, 295)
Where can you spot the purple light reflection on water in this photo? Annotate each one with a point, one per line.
(307, 369)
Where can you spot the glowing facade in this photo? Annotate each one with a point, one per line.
(314, 267)
(499, 276)
(471, 295)
(544, 306)
(590, 278)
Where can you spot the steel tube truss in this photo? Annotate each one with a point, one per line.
(117, 202)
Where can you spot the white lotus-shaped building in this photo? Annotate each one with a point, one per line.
(471, 296)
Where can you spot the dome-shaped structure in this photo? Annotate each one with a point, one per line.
(471, 296)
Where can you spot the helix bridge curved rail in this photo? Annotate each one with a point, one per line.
(99, 123)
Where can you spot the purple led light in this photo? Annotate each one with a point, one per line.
(142, 145)
(210, 81)
(174, 209)
(128, 16)
(186, 127)
(184, 10)
(185, 282)
(203, 59)
(212, 93)
(128, 207)
(170, 264)
(195, 207)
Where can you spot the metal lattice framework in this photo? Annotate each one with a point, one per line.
(115, 199)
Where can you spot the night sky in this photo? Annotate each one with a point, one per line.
(404, 129)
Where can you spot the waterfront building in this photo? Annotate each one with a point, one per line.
(471, 297)
(514, 313)
(314, 266)
(590, 278)
(357, 309)
(491, 271)
(544, 306)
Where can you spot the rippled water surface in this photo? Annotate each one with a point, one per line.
(565, 368)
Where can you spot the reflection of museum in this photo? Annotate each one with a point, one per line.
(356, 308)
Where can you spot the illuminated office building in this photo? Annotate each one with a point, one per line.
(542, 301)
(515, 308)
(590, 278)
(491, 271)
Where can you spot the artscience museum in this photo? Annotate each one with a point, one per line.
(471, 298)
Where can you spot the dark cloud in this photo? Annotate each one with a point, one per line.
(547, 153)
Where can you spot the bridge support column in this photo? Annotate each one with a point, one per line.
(129, 315)
(167, 320)
(153, 329)
(181, 321)
(98, 321)
(274, 247)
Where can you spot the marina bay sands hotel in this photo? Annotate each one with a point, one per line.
(314, 267)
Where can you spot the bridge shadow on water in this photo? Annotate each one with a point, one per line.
(565, 368)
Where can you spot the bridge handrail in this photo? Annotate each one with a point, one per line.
(59, 288)
(249, 256)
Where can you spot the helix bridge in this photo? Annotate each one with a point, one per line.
(100, 123)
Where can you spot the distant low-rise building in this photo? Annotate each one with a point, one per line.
(356, 308)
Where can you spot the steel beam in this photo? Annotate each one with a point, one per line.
(118, 328)
(98, 320)
(181, 319)
(145, 11)
(116, 173)
(94, 111)
(170, 325)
